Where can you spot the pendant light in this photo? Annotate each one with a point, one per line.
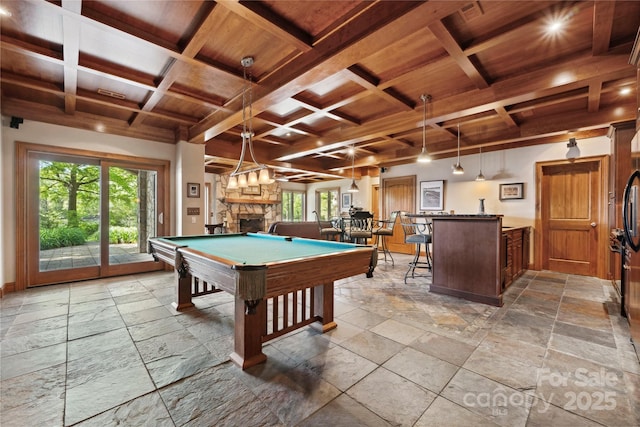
(424, 157)
(259, 174)
(480, 176)
(353, 188)
(457, 168)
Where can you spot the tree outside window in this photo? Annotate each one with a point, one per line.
(293, 205)
(328, 203)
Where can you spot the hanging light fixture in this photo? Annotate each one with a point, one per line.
(259, 174)
(354, 187)
(424, 157)
(480, 176)
(457, 168)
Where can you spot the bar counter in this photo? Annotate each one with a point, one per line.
(468, 256)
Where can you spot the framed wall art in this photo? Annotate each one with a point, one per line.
(193, 189)
(431, 195)
(346, 200)
(512, 191)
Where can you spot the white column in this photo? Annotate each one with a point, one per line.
(189, 176)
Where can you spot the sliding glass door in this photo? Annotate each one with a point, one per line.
(87, 217)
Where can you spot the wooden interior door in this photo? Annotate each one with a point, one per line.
(572, 231)
(398, 194)
(375, 202)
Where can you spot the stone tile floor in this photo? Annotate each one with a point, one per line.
(113, 352)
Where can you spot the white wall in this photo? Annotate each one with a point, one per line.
(42, 133)
(462, 192)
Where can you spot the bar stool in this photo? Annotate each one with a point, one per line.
(385, 230)
(360, 227)
(418, 233)
(328, 233)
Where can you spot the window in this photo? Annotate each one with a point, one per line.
(293, 205)
(328, 203)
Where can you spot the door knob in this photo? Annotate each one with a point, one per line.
(593, 224)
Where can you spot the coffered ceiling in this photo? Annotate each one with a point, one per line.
(327, 75)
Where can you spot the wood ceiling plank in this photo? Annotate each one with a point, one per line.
(603, 13)
(71, 54)
(53, 115)
(525, 87)
(506, 117)
(595, 92)
(505, 34)
(515, 109)
(265, 19)
(451, 46)
(201, 34)
(367, 81)
(337, 52)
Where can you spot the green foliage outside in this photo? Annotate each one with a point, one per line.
(123, 235)
(70, 204)
(292, 205)
(61, 237)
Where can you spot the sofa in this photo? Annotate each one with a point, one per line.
(307, 229)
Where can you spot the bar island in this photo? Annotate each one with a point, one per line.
(467, 257)
(470, 256)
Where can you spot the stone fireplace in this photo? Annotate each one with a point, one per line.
(247, 211)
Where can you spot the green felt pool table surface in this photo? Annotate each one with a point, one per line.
(257, 248)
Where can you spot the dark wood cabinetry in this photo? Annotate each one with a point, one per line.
(516, 253)
(468, 257)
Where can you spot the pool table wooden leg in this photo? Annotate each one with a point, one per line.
(183, 291)
(249, 330)
(323, 307)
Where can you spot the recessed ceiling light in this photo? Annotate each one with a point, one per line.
(555, 26)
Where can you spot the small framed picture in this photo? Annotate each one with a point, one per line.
(252, 190)
(193, 189)
(512, 191)
(431, 195)
(346, 200)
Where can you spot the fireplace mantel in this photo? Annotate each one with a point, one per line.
(250, 201)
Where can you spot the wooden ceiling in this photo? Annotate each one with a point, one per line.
(327, 75)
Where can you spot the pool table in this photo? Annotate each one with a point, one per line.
(280, 283)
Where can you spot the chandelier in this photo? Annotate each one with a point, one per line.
(259, 173)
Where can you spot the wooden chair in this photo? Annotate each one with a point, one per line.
(418, 233)
(359, 227)
(214, 228)
(328, 233)
(384, 230)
